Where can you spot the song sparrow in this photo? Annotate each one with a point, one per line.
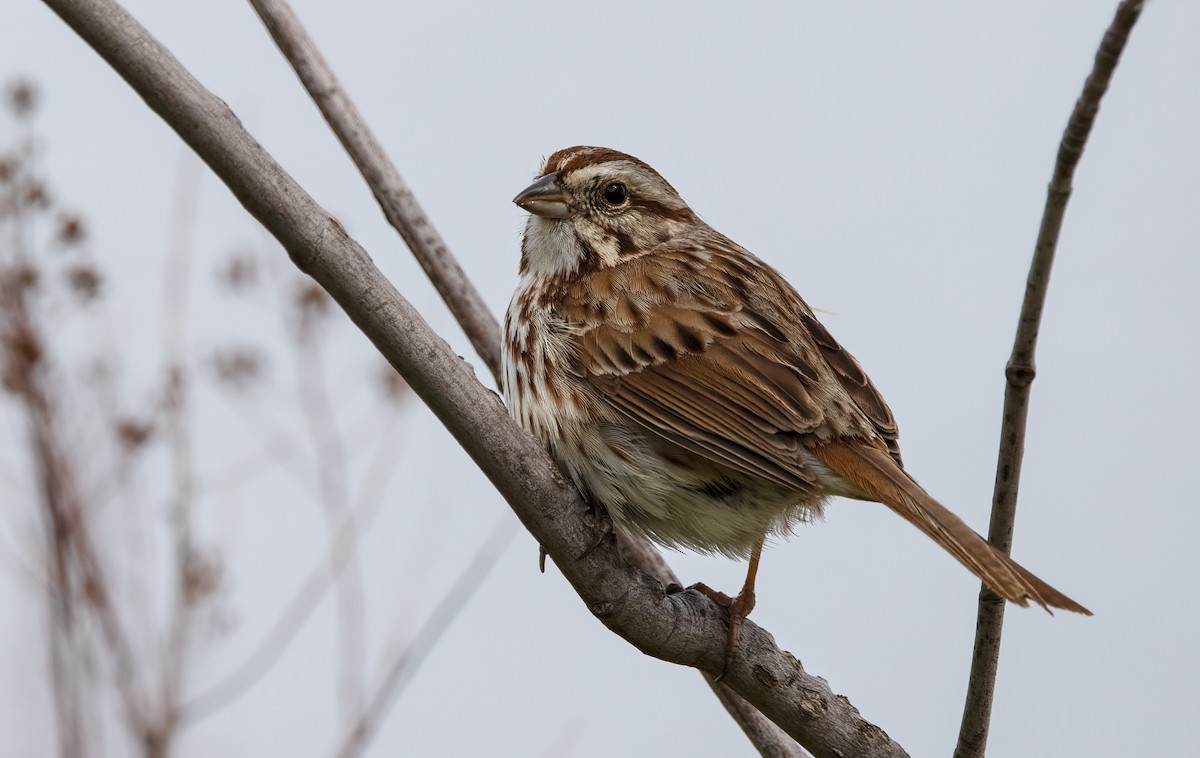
(682, 382)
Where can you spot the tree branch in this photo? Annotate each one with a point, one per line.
(977, 711)
(683, 627)
(464, 301)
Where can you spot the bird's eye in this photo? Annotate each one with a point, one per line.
(615, 193)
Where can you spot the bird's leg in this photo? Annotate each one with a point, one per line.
(739, 607)
(742, 605)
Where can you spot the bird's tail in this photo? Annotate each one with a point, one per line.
(880, 478)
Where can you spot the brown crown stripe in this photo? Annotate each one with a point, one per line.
(574, 158)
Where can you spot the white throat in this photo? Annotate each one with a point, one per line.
(550, 249)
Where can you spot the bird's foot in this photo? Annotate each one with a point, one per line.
(597, 517)
(738, 611)
(718, 597)
(739, 608)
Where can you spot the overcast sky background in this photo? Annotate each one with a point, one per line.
(890, 160)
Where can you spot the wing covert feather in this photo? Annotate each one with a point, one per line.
(721, 366)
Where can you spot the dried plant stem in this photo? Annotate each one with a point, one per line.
(178, 423)
(683, 628)
(973, 733)
(335, 498)
(460, 295)
(78, 580)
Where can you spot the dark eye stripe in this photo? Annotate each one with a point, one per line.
(655, 208)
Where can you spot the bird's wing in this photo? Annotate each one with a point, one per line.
(856, 383)
(711, 350)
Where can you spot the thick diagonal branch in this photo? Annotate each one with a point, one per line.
(973, 733)
(683, 627)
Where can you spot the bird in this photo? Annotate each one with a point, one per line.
(682, 383)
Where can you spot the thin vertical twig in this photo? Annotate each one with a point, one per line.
(178, 421)
(1020, 372)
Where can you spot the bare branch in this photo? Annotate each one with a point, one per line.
(683, 627)
(977, 712)
(399, 205)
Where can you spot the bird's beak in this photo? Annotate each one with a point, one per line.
(546, 197)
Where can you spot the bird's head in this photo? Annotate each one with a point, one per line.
(594, 207)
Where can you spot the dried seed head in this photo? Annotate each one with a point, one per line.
(239, 272)
(21, 354)
(22, 98)
(132, 434)
(70, 229)
(85, 282)
(238, 367)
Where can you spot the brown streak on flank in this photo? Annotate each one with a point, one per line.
(553, 394)
(520, 377)
(548, 296)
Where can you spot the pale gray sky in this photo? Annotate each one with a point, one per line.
(890, 160)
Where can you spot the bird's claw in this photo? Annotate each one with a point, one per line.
(739, 608)
(604, 530)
